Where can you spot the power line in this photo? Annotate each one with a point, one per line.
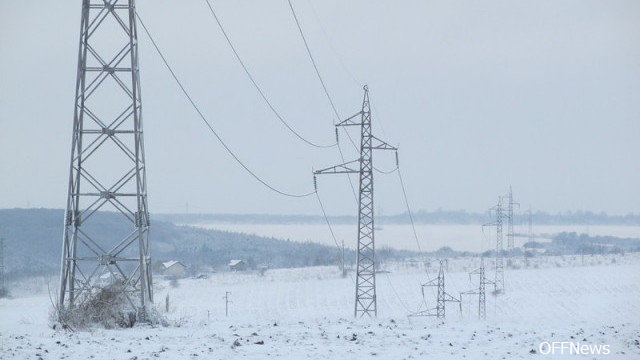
(396, 293)
(413, 224)
(326, 219)
(327, 37)
(257, 87)
(385, 172)
(313, 61)
(353, 189)
(406, 201)
(326, 92)
(208, 124)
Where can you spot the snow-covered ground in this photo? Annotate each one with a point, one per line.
(307, 313)
(432, 237)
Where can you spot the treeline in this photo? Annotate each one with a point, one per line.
(571, 243)
(422, 217)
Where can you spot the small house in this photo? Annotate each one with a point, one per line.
(174, 269)
(237, 265)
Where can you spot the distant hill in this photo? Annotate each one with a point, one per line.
(33, 242)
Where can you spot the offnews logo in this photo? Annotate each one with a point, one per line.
(572, 348)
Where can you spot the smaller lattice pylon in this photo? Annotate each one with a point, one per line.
(510, 219)
(498, 282)
(482, 293)
(442, 297)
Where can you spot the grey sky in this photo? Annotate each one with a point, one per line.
(542, 95)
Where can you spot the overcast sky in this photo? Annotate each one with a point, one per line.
(479, 95)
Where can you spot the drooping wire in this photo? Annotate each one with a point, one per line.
(313, 61)
(413, 225)
(326, 92)
(353, 189)
(385, 172)
(406, 201)
(257, 87)
(327, 37)
(208, 124)
(326, 219)
(396, 293)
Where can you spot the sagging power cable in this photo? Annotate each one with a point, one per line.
(208, 123)
(257, 87)
(326, 92)
(313, 61)
(413, 225)
(326, 219)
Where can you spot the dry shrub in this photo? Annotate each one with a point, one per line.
(105, 306)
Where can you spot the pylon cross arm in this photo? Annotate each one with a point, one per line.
(345, 168)
(349, 121)
(378, 144)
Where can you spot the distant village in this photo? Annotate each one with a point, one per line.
(176, 269)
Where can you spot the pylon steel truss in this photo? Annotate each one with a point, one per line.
(442, 297)
(499, 275)
(365, 303)
(510, 218)
(107, 167)
(482, 293)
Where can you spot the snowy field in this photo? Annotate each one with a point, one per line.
(432, 237)
(307, 314)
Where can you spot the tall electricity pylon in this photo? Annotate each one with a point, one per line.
(510, 218)
(499, 276)
(442, 298)
(107, 168)
(365, 302)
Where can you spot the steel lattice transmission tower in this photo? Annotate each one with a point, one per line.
(365, 302)
(442, 297)
(482, 289)
(107, 168)
(510, 218)
(500, 215)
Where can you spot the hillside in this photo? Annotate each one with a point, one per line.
(33, 243)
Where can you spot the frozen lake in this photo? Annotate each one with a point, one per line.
(400, 236)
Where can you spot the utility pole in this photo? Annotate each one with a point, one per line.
(442, 297)
(107, 169)
(365, 302)
(226, 303)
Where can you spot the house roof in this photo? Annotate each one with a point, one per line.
(169, 264)
(235, 262)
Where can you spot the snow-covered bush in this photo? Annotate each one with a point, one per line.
(105, 306)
